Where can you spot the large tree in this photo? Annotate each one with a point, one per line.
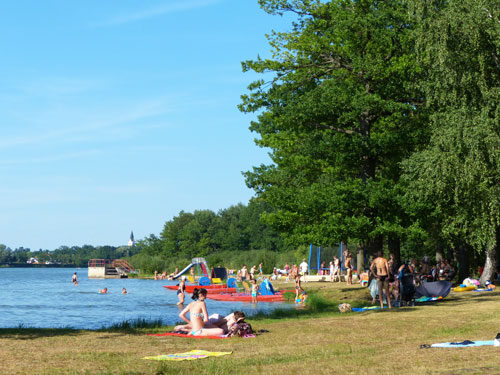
(457, 177)
(338, 115)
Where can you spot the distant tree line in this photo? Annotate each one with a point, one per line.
(64, 255)
(231, 237)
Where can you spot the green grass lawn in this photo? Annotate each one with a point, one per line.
(318, 340)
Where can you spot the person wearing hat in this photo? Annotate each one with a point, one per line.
(181, 290)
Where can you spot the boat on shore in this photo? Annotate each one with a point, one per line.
(211, 289)
(278, 296)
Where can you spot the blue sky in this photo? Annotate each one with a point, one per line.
(117, 115)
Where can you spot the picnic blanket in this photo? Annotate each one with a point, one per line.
(462, 344)
(428, 299)
(370, 308)
(188, 356)
(176, 334)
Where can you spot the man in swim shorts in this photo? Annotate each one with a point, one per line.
(380, 268)
(244, 273)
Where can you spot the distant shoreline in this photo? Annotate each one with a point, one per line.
(27, 265)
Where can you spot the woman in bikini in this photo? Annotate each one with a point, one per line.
(199, 316)
(181, 290)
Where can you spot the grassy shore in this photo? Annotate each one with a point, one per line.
(314, 341)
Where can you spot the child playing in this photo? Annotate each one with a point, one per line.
(298, 287)
(254, 290)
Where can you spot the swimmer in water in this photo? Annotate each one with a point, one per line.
(103, 291)
(124, 291)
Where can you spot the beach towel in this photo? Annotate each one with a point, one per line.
(463, 344)
(177, 334)
(358, 309)
(428, 299)
(188, 356)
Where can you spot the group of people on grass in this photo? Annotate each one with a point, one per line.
(388, 272)
(201, 324)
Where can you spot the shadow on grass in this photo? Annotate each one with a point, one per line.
(22, 333)
(135, 326)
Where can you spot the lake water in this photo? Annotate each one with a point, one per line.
(46, 298)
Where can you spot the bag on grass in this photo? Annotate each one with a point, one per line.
(241, 329)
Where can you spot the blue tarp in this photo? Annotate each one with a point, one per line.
(434, 289)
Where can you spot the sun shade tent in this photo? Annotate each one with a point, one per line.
(434, 289)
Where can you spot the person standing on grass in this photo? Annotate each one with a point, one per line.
(336, 267)
(304, 267)
(380, 268)
(348, 266)
(332, 271)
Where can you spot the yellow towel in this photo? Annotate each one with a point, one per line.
(188, 356)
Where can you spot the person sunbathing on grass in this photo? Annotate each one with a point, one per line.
(199, 316)
(216, 321)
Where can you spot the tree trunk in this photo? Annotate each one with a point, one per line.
(489, 265)
(360, 261)
(463, 261)
(394, 245)
(439, 253)
(375, 244)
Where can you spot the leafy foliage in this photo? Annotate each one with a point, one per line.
(339, 116)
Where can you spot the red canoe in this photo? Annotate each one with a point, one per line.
(245, 297)
(212, 288)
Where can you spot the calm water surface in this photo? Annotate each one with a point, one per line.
(46, 298)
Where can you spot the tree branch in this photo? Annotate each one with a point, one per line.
(330, 127)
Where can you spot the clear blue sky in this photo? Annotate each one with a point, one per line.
(117, 115)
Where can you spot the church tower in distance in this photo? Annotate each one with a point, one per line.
(131, 240)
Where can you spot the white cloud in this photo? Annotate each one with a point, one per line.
(160, 10)
(74, 124)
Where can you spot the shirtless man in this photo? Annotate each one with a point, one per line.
(382, 276)
(244, 273)
(348, 266)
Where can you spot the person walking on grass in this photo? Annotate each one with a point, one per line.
(380, 268)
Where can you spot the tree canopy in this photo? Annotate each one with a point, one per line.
(339, 116)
